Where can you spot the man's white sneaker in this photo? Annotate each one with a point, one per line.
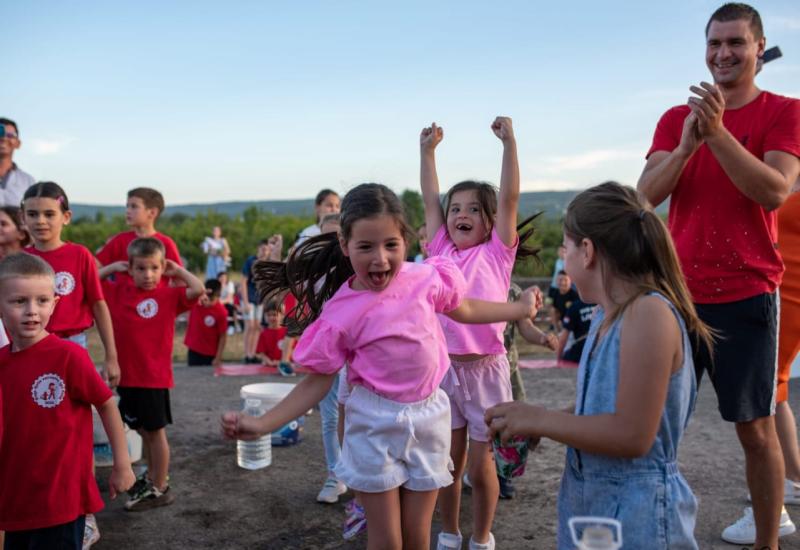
(791, 493)
(744, 530)
(488, 545)
(331, 490)
(449, 541)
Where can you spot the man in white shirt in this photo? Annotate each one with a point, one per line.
(13, 181)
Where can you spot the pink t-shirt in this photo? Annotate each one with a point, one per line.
(391, 340)
(487, 269)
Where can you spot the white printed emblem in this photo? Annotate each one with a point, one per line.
(48, 391)
(65, 283)
(209, 321)
(147, 308)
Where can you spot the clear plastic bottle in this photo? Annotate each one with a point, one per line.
(256, 454)
(594, 533)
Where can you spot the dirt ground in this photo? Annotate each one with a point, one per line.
(219, 505)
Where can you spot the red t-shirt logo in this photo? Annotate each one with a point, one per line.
(65, 283)
(48, 391)
(147, 308)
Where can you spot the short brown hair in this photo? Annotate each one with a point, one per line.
(150, 197)
(733, 11)
(145, 247)
(22, 264)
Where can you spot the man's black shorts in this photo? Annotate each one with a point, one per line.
(145, 408)
(744, 370)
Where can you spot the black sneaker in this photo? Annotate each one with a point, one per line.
(139, 484)
(149, 497)
(506, 488)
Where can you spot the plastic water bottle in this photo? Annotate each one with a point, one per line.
(593, 533)
(256, 454)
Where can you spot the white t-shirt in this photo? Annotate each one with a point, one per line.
(3, 337)
(307, 233)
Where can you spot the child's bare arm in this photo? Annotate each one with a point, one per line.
(481, 312)
(508, 201)
(307, 393)
(102, 319)
(650, 341)
(122, 477)
(534, 335)
(276, 247)
(114, 267)
(194, 286)
(429, 138)
(220, 349)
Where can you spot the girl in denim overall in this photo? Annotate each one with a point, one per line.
(636, 386)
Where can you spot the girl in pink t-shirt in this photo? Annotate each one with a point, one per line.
(478, 231)
(377, 313)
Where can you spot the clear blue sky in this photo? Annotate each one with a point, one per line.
(213, 101)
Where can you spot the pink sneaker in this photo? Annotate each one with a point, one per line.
(355, 522)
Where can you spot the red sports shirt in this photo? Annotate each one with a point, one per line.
(268, 342)
(77, 286)
(207, 324)
(46, 462)
(144, 326)
(727, 243)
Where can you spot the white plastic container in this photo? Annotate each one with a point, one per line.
(102, 448)
(269, 393)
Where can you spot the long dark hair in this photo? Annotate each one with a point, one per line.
(318, 267)
(635, 245)
(486, 194)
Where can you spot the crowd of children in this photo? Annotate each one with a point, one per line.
(413, 363)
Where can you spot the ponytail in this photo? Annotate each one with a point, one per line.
(312, 273)
(635, 245)
(524, 250)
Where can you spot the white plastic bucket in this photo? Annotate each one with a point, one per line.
(102, 448)
(270, 394)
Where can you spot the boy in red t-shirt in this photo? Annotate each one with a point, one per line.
(206, 332)
(272, 339)
(49, 385)
(142, 209)
(143, 312)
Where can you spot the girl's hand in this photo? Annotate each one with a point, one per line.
(514, 418)
(502, 128)
(120, 481)
(236, 425)
(430, 137)
(532, 300)
(549, 340)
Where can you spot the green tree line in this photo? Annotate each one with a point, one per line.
(244, 232)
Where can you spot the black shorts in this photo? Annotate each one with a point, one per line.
(68, 536)
(744, 371)
(196, 359)
(145, 408)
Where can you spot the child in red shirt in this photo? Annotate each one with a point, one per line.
(206, 332)
(48, 387)
(143, 312)
(45, 209)
(272, 339)
(142, 209)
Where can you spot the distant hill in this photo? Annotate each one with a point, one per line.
(553, 203)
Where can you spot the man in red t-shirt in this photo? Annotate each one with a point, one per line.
(143, 313)
(206, 332)
(142, 209)
(49, 385)
(727, 160)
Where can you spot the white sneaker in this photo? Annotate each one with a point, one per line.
(331, 490)
(449, 541)
(465, 480)
(488, 545)
(791, 493)
(744, 530)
